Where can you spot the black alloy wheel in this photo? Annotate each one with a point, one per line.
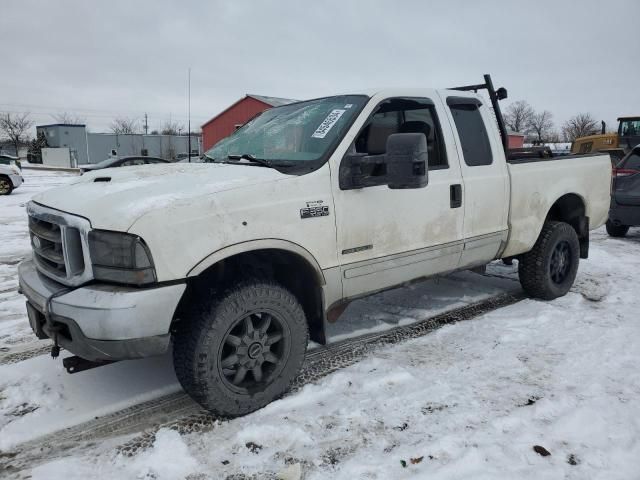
(254, 351)
(239, 347)
(560, 264)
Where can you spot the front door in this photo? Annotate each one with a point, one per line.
(386, 237)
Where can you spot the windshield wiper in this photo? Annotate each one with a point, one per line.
(251, 158)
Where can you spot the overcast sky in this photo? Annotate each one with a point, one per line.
(101, 59)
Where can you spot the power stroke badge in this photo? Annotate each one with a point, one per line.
(314, 209)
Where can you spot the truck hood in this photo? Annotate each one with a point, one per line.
(114, 198)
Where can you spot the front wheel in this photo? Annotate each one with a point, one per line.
(6, 187)
(616, 230)
(549, 269)
(242, 348)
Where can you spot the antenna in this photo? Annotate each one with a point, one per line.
(189, 115)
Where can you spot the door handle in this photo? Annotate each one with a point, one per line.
(455, 195)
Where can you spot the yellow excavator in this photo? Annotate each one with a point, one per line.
(616, 144)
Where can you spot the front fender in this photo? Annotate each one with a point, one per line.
(254, 245)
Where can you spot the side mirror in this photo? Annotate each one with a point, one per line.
(407, 160)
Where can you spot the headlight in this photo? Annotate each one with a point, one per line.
(121, 258)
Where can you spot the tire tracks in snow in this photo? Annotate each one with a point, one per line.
(178, 412)
(25, 354)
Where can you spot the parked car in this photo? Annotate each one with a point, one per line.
(10, 178)
(10, 160)
(184, 157)
(122, 162)
(239, 262)
(625, 195)
(192, 159)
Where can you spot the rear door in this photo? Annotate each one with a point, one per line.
(386, 237)
(485, 175)
(626, 189)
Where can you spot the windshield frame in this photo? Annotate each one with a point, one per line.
(301, 167)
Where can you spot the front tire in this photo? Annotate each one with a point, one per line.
(6, 187)
(616, 230)
(549, 269)
(242, 348)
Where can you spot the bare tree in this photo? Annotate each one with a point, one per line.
(69, 118)
(518, 116)
(541, 124)
(14, 127)
(580, 125)
(172, 128)
(553, 137)
(125, 126)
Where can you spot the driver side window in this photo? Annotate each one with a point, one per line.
(403, 115)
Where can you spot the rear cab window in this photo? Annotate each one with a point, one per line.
(474, 140)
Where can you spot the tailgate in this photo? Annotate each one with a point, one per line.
(626, 184)
(626, 190)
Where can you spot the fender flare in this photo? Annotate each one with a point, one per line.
(253, 245)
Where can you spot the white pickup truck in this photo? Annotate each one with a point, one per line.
(10, 178)
(237, 262)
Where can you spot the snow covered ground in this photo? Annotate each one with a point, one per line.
(470, 400)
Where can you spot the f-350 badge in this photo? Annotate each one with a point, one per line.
(314, 209)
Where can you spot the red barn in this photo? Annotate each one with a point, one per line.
(227, 121)
(516, 140)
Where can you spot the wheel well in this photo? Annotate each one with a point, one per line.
(570, 208)
(289, 269)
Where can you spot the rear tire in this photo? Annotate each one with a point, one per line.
(241, 348)
(6, 187)
(549, 269)
(616, 230)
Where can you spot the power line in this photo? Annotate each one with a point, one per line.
(44, 110)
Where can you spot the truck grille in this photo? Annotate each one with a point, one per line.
(59, 245)
(46, 240)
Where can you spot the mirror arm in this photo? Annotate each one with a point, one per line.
(352, 177)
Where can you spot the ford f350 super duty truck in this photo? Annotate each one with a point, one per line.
(239, 261)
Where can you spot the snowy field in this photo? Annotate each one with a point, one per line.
(467, 401)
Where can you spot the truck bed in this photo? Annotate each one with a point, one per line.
(537, 183)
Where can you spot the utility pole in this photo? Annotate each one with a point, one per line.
(146, 125)
(189, 115)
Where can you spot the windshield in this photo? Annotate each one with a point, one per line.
(296, 133)
(104, 163)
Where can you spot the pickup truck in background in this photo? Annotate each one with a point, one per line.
(237, 262)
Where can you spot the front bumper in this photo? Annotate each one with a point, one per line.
(100, 322)
(16, 180)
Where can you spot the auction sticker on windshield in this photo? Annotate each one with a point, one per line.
(328, 123)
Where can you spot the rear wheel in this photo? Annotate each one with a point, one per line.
(6, 187)
(242, 348)
(616, 230)
(549, 269)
